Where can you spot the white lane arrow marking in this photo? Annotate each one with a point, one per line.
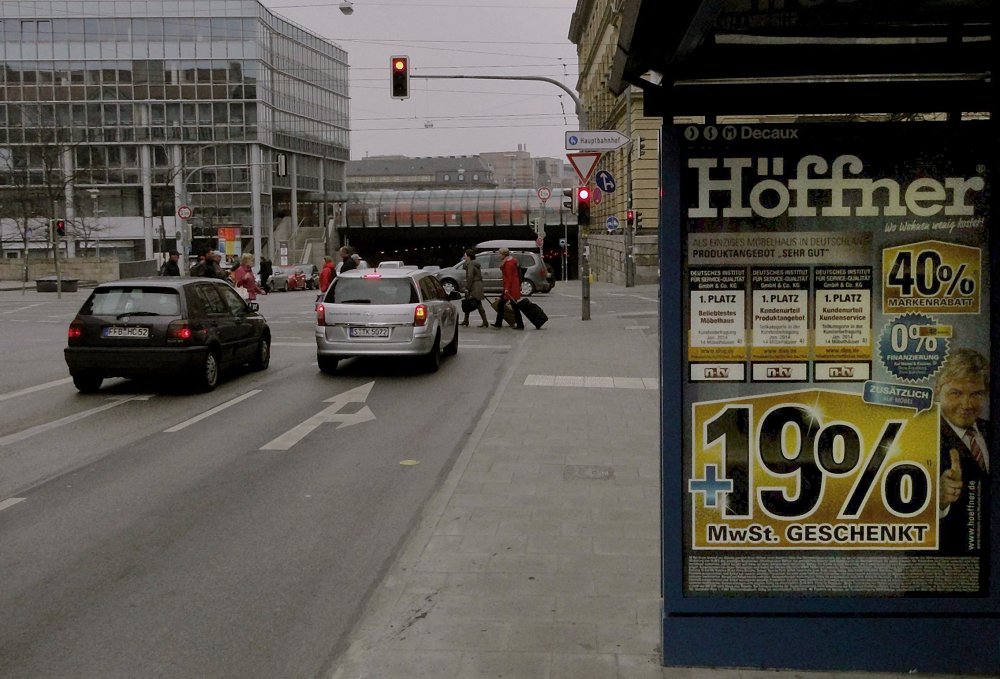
(328, 415)
(48, 426)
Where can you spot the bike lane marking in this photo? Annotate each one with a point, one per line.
(208, 413)
(37, 387)
(69, 419)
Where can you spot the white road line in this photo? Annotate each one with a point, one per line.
(213, 411)
(23, 308)
(48, 426)
(10, 502)
(37, 387)
(591, 381)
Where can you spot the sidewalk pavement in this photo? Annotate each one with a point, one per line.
(539, 555)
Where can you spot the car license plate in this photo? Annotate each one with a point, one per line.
(369, 332)
(126, 331)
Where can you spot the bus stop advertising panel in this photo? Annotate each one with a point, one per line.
(836, 301)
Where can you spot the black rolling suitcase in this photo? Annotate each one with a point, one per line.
(532, 312)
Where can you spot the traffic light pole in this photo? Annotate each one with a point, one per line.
(54, 239)
(581, 114)
(582, 117)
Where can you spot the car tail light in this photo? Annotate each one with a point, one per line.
(75, 333)
(420, 315)
(320, 313)
(179, 332)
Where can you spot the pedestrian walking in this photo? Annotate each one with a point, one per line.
(473, 289)
(511, 289)
(245, 278)
(266, 271)
(170, 267)
(326, 276)
(346, 261)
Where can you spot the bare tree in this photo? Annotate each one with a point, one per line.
(33, 183)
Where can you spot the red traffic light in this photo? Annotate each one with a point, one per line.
(399, 77)
(60, 227)
(630, 217)
(583, 193)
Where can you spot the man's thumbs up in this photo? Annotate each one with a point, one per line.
(951, 481)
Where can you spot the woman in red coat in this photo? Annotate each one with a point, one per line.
(327, 274)
(511, 289)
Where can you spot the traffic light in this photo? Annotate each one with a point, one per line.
(582, 206)
(60, 227)
(638, 220)
(399, 77)
(630, 217)
(569, 200)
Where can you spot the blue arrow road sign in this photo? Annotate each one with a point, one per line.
(612, 223)
(604, 180)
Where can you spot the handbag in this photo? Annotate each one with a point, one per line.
(470, 304)
(242, 292)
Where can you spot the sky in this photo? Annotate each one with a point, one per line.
(451, 117)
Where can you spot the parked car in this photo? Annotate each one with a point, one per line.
(165, 327)
(536, 276)
(385, 312)
(311, 274)
(287, 278)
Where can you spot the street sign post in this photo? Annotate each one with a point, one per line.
(612, 224)
(544, 193)
(185, 212)
(595, 140)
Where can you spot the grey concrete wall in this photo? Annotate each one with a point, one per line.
(83, 269)
(607, 259)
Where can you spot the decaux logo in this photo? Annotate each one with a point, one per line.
(758, 186)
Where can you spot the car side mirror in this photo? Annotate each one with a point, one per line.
(253, 307)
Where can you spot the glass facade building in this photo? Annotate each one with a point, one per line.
(120, 111)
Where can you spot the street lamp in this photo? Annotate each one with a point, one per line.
(347, 7)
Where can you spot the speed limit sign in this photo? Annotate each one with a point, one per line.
(185, 212)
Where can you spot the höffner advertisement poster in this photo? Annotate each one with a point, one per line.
(836, 403)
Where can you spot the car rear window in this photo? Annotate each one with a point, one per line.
(374, 291)
(132, 300)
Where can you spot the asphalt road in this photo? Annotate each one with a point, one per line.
(147, 531)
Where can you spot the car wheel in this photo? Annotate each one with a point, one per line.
(327, 364)
(451, 348)
(449, 286)
(432, 361)
(208, 376)
(87, 383)
(527, 288)
(262, 357)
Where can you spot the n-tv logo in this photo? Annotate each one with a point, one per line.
(779, 373)
(842, 372)
(716, 373)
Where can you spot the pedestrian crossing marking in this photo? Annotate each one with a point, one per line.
(590, 381)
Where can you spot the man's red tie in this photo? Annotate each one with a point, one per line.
(977, 452)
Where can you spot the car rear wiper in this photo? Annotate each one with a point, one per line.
(137, 313)
(356, 301)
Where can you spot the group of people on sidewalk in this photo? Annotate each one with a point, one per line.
(474, 289)
(349, 259)
(209, 265)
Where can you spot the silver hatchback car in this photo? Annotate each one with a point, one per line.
(385, 312)
(535, 274)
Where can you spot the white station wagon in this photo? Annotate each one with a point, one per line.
(385, 312)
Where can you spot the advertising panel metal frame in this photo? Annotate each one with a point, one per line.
(835, 284)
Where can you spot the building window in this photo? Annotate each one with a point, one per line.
(447, 177)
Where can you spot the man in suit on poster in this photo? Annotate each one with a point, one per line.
(962, 390)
